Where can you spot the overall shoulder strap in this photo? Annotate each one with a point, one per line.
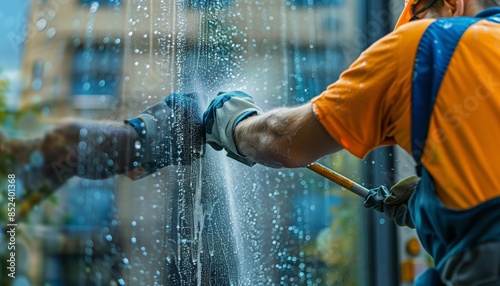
(437, 45)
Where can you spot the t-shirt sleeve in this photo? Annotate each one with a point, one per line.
(355, 109)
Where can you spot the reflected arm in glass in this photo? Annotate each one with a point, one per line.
(91, 149)
(171, 135)
(168, 133)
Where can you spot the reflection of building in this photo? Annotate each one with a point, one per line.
(110, 59)
(73, 56)
(73, 66)
(88, 54)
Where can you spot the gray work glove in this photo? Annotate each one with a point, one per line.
(394, 202)
(220, 120)
(171, 133)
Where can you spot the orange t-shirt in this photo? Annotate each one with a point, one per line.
(370, 106)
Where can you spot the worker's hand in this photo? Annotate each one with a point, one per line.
(220, 120)
(394, 203)
(171, 133)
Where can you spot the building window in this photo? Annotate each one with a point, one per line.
(96, 76)
(88, 208)
(37, 75)
(102, 2)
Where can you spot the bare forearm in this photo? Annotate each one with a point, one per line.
(284, 137)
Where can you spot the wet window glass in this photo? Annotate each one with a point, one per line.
(96, 75)
(312, 70)
(211, 221)
(102, 2)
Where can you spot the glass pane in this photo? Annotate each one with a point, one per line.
(96, 75)
(214, 221)
(101, 2)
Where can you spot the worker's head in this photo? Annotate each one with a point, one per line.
(414, 10)
(419, 9)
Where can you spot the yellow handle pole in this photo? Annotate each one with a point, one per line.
(339, 179)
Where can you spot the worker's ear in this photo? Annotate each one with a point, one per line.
(459, 8)
(453, 8)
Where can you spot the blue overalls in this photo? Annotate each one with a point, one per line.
(457, 240)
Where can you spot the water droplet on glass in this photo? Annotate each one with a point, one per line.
(85, 183)
(82, 145)
(86, 86)
(83, 132)
(36, 159)
(109, 237)
(41, 24)
(94, 7)
(37, 84)
(137, 145)
(133, 240)
(51, 33)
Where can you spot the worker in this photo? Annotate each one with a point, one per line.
(431, 86)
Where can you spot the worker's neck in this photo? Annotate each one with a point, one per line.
(472, 8)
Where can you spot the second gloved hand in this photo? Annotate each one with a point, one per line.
(394, 202)
(171, 132)
(220, 120)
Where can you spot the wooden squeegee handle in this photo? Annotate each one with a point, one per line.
(339, 179)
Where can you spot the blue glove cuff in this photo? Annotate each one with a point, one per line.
(138, 126)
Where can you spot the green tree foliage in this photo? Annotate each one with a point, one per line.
(4, 86)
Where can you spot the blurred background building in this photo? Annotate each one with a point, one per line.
(215, 223)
